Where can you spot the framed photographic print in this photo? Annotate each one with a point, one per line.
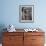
(26, 13)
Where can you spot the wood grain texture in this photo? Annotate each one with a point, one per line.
(34, 39)
(13, 39)
(23, 39)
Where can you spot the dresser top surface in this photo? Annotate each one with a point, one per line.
(22, 30)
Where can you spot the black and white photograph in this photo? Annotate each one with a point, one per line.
(26, 13)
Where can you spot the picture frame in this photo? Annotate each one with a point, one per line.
(26, 13)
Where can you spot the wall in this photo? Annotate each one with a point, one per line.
(10, 13)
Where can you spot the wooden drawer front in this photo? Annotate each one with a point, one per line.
(18, 44)
(13, 33)
(27, 41)
(34, 33)
(37, 39)
(33, 40)
(12, 39)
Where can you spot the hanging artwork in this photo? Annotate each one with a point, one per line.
(26, 13)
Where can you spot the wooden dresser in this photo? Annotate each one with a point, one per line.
(23, 39)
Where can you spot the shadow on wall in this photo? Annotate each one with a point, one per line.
(2, 26)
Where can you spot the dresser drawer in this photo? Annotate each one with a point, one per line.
(12, 39)
(13, 33)
(13, 44)
(34, 33)
(37, 39)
